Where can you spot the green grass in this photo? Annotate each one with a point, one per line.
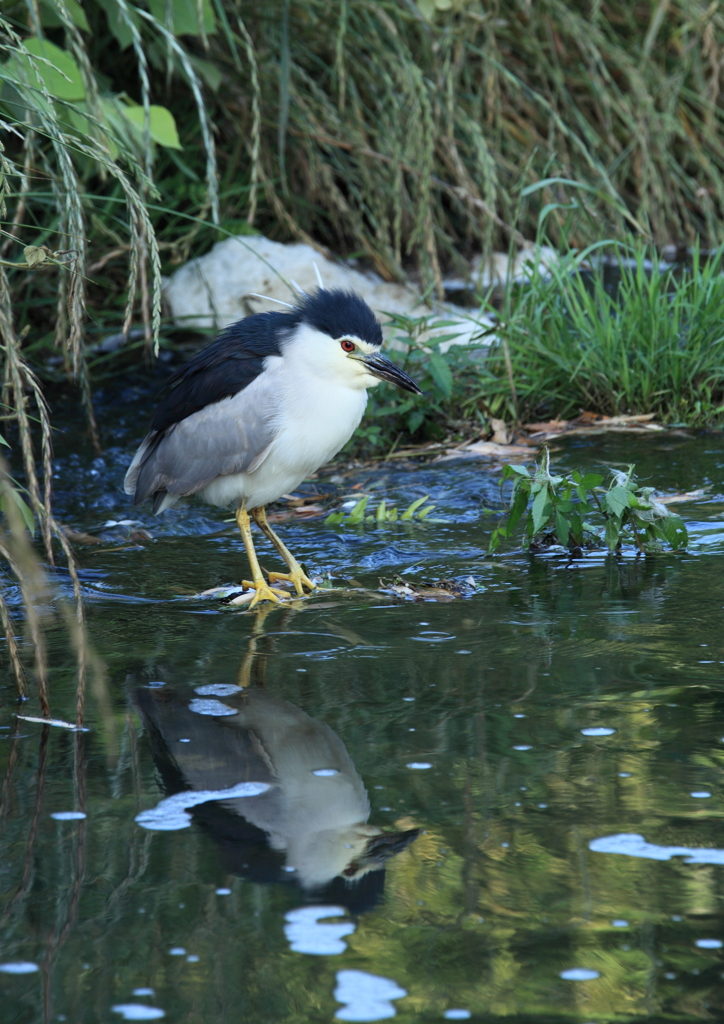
(653, 343)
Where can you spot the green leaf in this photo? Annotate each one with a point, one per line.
(415, 420)
(425, 512)
(208, 72)
(49, 17)
(541, 509)
(511, 471)
(575, 525)
(357, 514)
(495, 538)
(410, 511)
(182, 16)
(617, 500)
(613, 533)
(34, 254)
(440, 373)
(380, 513)
(520, 504)
(55, 69)
(118, 19)
(11, 494)
(562, 528)
(333, 518)
(591, 480)
(161, 125)
(674, 531)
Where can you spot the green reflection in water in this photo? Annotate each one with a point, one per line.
(497, 895)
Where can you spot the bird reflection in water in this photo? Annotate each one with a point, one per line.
(310, 826)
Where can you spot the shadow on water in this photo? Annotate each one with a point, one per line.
(525, 818)
(308, 825)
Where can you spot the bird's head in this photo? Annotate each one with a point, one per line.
(337, 335)
(349, 852)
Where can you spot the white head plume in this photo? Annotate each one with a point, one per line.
(320, 282)
(268, 298)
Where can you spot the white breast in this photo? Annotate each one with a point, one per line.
(316, 417)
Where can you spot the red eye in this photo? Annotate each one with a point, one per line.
(348, 346)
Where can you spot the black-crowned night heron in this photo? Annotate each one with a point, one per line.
(314, 808)
(253, 414)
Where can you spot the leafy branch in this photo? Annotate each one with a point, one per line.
(578, 513)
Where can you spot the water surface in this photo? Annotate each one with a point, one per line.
(507, 806)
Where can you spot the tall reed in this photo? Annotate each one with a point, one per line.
(635, 336)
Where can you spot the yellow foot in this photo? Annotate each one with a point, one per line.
(297, 576)
(263, 592)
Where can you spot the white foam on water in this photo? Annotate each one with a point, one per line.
(708, 943)
(325, 773)
(633, 845)
(217, 690)
(68, 815)
(143, 992)
(137, 1011)
(419, 765)
(223, 892)
(457, 1014)
(368, 997)
(177, 951)
(598, 730)
(19, 967)
(306, 934)
(210, 707)
(580, 974)
(57, 722)
(619, 923)
(170, 814)
(523, 746)
(700, 794)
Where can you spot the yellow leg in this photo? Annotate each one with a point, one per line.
(263, 591)
(296, 574)
(253, 664)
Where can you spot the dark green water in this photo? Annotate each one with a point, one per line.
(504, 889)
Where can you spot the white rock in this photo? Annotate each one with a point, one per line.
(215, 290)
(497, 270)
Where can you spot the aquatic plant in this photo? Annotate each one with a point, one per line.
(577, 513)
(357, 516)
(615, 330)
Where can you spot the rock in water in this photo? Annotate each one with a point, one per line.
(215, 290)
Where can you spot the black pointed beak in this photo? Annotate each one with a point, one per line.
(382, 367)
(382, 847)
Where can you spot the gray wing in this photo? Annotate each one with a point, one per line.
(230, 436)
